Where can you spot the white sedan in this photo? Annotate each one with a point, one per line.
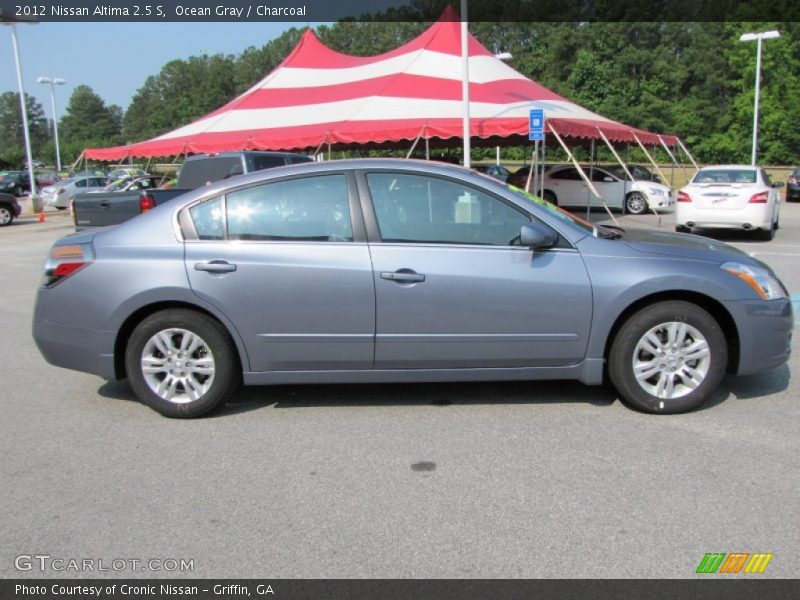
(730, 197)
(61, 193)
(564, 186)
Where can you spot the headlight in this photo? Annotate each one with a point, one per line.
(656, 191)
(762, 281)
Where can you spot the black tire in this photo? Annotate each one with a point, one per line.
(683, 229)
(550, 197)
(61, 207)
(635, 203)
(766, 235)
(6, 216)
(227, 371)
(621, 356)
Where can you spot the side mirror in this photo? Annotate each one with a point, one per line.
(777, 184)
(537, 236)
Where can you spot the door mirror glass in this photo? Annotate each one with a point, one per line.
(537, 236)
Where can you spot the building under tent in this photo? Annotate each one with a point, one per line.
(318, 99)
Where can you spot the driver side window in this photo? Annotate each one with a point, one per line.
(429, 210)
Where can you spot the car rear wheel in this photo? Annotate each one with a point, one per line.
(766, 234)
(6, 216)
(683, 229)
(635, 203)
(182, 363)
(550, 197)
(668, 358)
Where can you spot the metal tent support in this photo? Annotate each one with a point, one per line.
(580, 170)
(591, 177)
(77, 161)
(674, 160)
(650, 158)
(414, 145)
(687, 153)
(316, 152)
(534, 157)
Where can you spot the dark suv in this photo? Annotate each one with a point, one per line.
(793, 186)
(9, 209)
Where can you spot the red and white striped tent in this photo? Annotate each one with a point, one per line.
(318, 96)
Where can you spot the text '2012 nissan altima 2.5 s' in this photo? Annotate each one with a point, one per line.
(400, 271)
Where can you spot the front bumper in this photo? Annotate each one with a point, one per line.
(792, 191)
(765, 333)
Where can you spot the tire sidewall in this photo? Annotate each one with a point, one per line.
(226, 369)
(621, 356)
(627, 205)
(10, 216)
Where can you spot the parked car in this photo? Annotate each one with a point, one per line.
(497, 171)
(730, 197)
(9, 209)
(392, 271)
(61, 194)
(102, 210)
(564, 186)
(126, 173)
(46, 178)
(793, 186)
(131, 185)
(14, 182)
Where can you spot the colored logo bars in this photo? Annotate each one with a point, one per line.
(736, 562)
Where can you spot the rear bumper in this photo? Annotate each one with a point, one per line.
(77, 348)
(756, 216)
(765, 333)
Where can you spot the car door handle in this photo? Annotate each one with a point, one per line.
(403, 276)
(215, 266)
(104, 205)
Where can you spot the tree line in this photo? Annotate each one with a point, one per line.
(695, 80)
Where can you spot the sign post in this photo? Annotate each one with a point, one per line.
(536, 135)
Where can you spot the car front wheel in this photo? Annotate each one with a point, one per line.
(635, 203)
(668, 358)
(182, 363)
(6, 216)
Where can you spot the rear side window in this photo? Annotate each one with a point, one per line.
(259, 162)
(304, 209)
(570, 174)
(207, 219)
(299, 159)
(197, 173)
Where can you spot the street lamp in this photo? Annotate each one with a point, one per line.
(7, 18)
(54, 81)
(749, 37)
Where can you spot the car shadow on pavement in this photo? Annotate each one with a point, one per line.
(750, 387)
(417, 394)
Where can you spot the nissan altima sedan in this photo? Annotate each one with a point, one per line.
(400, 271)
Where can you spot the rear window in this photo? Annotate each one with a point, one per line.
(260, 162)
(200, 172)
(725, 176)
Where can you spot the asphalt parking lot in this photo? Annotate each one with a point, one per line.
(539, 479)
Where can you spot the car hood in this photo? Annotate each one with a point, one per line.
(685, 245)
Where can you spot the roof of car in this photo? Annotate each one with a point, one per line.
(728, 167)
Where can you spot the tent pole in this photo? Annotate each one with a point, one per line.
(147, 166)
(650, 158)
(530, 171)
(582, 174)
(329, 147)
(624, 168)
(674, 161)
(77, 161)
(591, 177)
(465, 83)
(427, 149)
(685, 151)
(497, 158)
(414, 145)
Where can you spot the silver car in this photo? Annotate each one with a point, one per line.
(400, 271)
(61, 193)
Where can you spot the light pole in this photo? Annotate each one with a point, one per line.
(22, 105)
(54, 81)
(749, 37)
(465, 83)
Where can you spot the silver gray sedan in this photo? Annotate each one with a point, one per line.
(400, 271)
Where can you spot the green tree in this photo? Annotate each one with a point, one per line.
(88, 120)
(12, 139)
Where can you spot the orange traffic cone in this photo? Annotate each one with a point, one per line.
(41, 217)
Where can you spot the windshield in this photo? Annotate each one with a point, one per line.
(553, 210)
(116, 185)
(725, 176)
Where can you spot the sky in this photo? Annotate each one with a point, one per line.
(114, 59)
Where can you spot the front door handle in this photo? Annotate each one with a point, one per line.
(215, 266)
(403, 276)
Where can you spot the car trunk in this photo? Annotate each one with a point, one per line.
(723, 196)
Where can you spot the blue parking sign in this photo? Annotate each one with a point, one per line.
(536, 124)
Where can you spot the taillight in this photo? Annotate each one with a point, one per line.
(759, 198)
(146, 202)
(684, 197)
(65, 261)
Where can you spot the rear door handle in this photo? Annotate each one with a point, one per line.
(403, 276)
(215, 266)
(104, 205)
